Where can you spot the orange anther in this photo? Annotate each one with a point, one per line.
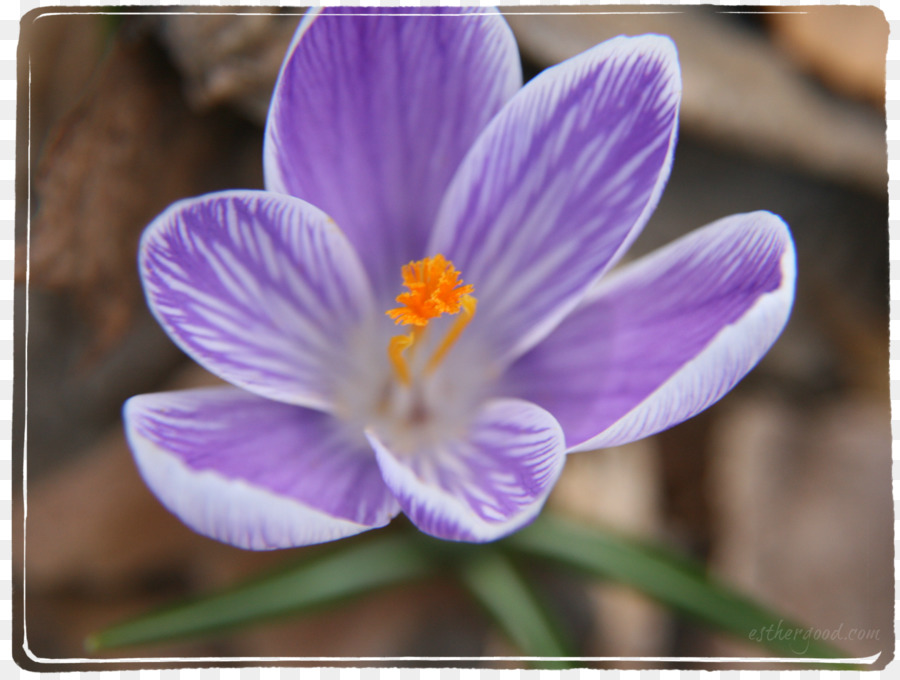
(434, 289)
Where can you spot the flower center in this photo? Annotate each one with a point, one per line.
(434, 289)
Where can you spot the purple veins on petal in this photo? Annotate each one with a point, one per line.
(261, 289)
(559, 183)
(253, 472)
(389, 105)
(481, 486)
(666, 336)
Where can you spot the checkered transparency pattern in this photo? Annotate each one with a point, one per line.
(10, 15)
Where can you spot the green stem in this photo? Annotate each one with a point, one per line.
(501, 590)
(671, 579)
(312, 584)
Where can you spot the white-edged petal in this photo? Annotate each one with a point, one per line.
(666, 336)
(373, 111)
(559, 184)
(255, 473)
(482, 486)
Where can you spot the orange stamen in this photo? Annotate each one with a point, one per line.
(434, 289)
(459, 325)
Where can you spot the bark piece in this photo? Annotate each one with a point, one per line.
(844, 46)
(229, 58)
(738, 90)
(127, 150)
(804, 517)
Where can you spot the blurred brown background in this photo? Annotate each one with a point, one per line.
(783, 488)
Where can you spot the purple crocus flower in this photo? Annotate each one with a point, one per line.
(410, 315)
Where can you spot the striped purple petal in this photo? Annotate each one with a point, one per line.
(666, 336)
(255, 473)
(373, 112)
(559, 184)
(485, 485)
(260, 288)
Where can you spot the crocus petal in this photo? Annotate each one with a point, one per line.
(666, 336)
(255, 473)
(560, 183)
(372, 114)
(482, 486)
(260, 288)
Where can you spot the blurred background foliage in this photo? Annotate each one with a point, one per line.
(783, 489)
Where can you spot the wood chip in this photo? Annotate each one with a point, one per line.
(117, 159)
(738, 91)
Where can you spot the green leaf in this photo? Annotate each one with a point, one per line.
(314, 583)
(508, 599)
(671, 579)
